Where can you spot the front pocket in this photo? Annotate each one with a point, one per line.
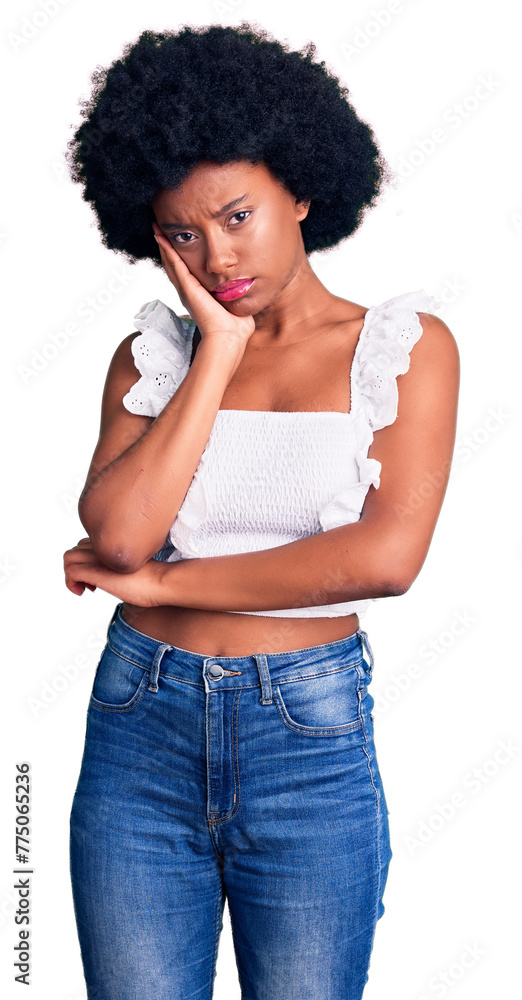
(324, 705)
(119, 683)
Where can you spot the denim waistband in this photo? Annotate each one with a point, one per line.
(236, 671)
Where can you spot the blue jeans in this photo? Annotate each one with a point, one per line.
(247, 778)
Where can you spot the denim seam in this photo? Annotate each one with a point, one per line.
(127, 705)
(216, 941)
(379, 884)
(347, 727)
(185, 680)
(321, 673)
(241, 687)
(124, 657)
(237, 783)
(371, 779)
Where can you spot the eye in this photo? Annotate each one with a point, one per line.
(175, 236)
(240, 213)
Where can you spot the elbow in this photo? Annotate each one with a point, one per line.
(117, 557)
(396, 568)
(395, 579)
(110, 550)
(120, 560)
(395, 587)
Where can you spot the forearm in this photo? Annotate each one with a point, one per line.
(129, 506)
(342, 564)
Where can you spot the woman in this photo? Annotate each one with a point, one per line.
(249, 495)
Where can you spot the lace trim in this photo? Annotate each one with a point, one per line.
(390, 331)
(162, 356)
(395, 328)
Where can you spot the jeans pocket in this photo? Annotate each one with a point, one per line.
(119, 683)
(326, 704)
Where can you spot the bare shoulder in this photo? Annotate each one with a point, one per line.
(437, 339)
(433, 375)
(435, 356)
(122, 361)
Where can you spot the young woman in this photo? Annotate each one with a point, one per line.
(249, 495)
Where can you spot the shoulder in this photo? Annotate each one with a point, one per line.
(401, 337)
(121, 376)
(431, 384)
(122, 367)
(437, 346)
(437, 331)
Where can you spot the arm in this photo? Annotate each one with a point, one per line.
(142, 467)
(382, 553)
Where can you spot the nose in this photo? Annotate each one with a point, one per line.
(219, 257)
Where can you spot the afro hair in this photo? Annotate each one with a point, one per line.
(220, 94)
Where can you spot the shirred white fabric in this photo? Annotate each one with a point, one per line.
(266, 478)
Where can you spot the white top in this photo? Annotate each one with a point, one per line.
(266, 478)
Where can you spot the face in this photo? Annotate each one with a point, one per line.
(235, 221)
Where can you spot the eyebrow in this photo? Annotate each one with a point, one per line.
(215, 215)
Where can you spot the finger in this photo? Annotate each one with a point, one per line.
(167, 250)
(77, 581)
(79, 554)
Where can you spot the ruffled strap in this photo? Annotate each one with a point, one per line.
(390, 330)
(162, 356)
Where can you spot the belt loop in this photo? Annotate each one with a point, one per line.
(367, 646)
(264, 677)
(154, 670)
(114, 614)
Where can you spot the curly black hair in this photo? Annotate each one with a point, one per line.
(221, 94)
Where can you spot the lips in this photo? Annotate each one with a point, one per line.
(233, 289)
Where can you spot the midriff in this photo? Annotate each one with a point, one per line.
(220, 633)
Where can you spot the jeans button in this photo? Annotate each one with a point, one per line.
(216, 671)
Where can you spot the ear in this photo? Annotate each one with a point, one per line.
(302, 208)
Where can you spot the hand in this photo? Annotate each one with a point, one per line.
(212, 319)
(83, 569)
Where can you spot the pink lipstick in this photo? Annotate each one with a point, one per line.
(233, 289)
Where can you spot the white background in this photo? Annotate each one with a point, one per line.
(452, 224)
